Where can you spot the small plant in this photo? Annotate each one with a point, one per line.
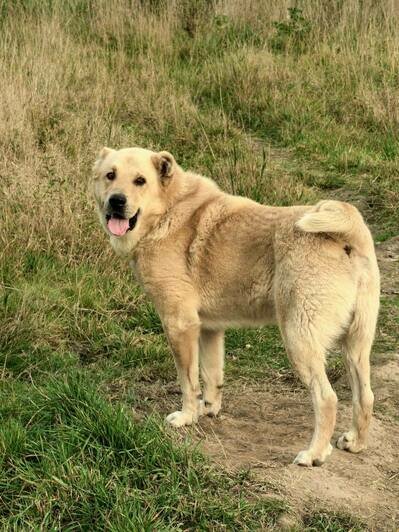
(292, 33)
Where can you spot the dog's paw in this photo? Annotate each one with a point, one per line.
(304, 459)
(209, 409)
(309, 459)
(349, 442)
(179, 419)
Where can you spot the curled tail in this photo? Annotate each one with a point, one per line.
(342, 219)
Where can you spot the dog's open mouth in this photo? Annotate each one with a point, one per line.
(119, 226)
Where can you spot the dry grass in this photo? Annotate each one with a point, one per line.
(75, 76)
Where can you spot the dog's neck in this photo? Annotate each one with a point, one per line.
(182, 196)
(189, 193)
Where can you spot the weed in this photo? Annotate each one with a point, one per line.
(292, 32)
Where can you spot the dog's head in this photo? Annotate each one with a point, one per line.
(130, 187)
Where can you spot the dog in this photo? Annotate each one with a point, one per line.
(209, 260)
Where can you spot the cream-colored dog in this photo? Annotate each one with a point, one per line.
(209, 260)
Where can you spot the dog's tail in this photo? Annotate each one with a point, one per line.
(339, 218)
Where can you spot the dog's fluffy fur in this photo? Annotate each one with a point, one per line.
(209, 260)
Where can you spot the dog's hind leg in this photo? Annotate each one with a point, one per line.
(211, 362)
(357, 352)
(308, 361)
(356, 347)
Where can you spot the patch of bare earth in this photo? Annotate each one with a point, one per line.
(263, 427)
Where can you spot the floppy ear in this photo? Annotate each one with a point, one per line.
(165, 164)
(101, 156)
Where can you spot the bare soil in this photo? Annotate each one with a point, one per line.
(262, 427)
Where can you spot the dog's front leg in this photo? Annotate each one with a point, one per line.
(183, 335)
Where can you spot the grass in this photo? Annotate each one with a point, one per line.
(77, 461)
(387, 339)
(332, 522)
(285, 104)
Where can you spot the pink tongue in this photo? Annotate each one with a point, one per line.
(117, 226)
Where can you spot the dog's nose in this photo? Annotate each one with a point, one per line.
(117, 201)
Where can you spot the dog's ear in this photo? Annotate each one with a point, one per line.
(165, 164)
(100, 157)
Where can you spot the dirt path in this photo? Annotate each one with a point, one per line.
(263, 427)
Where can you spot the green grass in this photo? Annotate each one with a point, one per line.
(77, 462)
(387, 339)
(255, 353)
(332, 522)
(282, 106)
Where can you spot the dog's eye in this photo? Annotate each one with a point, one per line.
(110, 175)
(139, 181)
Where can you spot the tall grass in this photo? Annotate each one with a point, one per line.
(284, 102)
(215, 82)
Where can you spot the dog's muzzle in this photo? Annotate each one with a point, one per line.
(118, 223)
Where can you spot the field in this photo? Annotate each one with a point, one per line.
(284, 102)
